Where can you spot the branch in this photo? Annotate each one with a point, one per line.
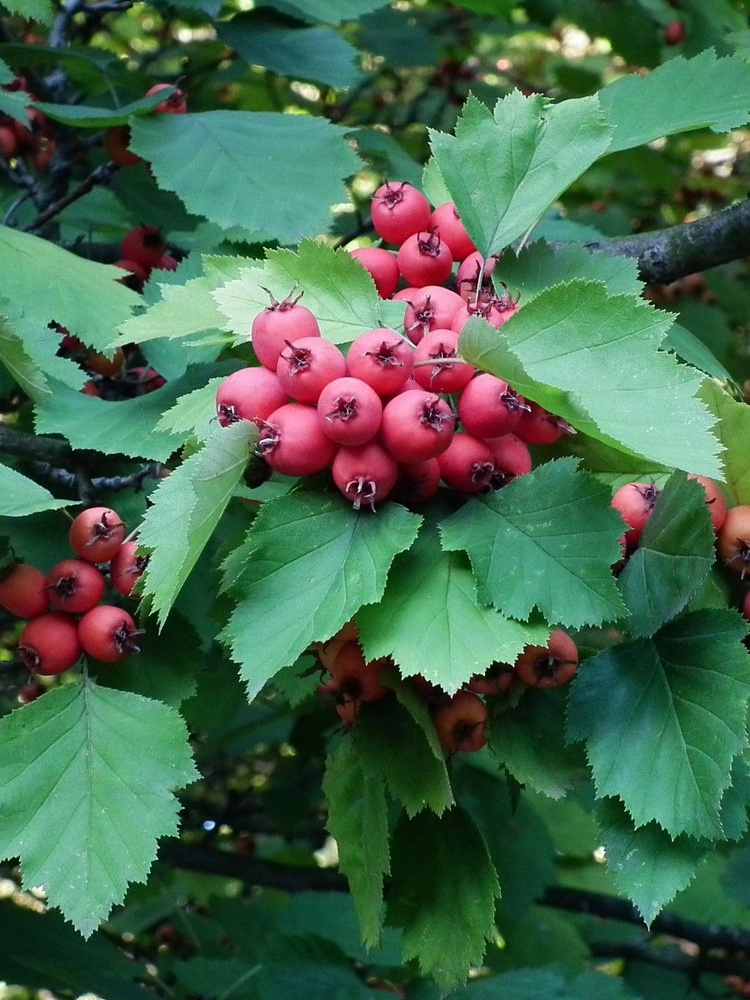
(42, 449)
(672, 958)
(111, 484)
(664, 255)
(101, 175)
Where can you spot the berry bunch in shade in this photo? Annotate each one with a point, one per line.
(461, 719)
(395, 415)
(34, 143)
(67, 609)
(144, 250)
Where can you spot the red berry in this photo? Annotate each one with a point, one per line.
(248, 394)
(382, 267)
(452, 231)
(469, 275)
(107, 633)
(8, 143)
(306, 366)
(350, 411)
(488, 407)
(674, 33)
(714, 499)
(416, 425)
(355, 682)
(493, 311)
(97, 534)
(23, 591)
(636, 502)
(364, 475)
(145, 245)
(49, 644)
(417, 483)
(176, 104)
(460, 723)
(382, 358)
(539, 426)
(116, 142)
(424, 259)
(399, 210)
(443, 375)
(278, 323)
(126, 568)
(429, 308)
(548, 666)
(466, 465)
(75, 586)
(293, 442)
(496, 680)
(511, 458)
(746, 606)
(137, 277)
(734, 540)
(167, 263)
(29, 693)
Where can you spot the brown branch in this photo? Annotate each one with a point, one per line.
(664, 255)
(101, 175)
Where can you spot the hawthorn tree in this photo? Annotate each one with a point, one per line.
(374, 498)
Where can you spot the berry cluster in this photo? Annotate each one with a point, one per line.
(35, 142)
(460, 720)
(385, 416)
(66, 616)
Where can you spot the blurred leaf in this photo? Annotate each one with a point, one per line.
(400, 37)
(37, 10)
(328, 11)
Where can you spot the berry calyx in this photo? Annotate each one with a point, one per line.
(75, 586)
(548, 666)
(424, 259)
(431, 307)
(364, 475)
(248, 394)
(281, 322)
(382, 359)
(398, 210)
(350, 411)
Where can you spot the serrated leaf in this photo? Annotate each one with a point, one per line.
(733, 431)
(358, 820)
(734, 804)
(56, 285)
(593, 359)
(443, 897)
(85, 116)
(547, 983)
(192, 413)
(672, 707)
(538, 266)
(649, 867)
(98, 767)
(316, 53)
(342, 557)
(673, 558)
(37, 10)
(186, 508)
(15, 359)
(690, 348)
(546, 540)
(678, 96)
(263, 172)
(430, 622)
(529, 740)
(503, 171)
(337, 290)
(41, 345)
(392, 746)
(329, 11)
(14, 104)
(20, 496)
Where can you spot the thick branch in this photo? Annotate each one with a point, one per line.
(41, 449)
(665, 255)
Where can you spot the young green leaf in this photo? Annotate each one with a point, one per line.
(673, 558)
(358, 819)
(87, 780)
(429, 620)
(547, 540)
(593, 359)
(672, 707)
(442, 895)
(733, 430)
(187, 507)
(650, 867)
(264, 172)
(314, 563)
(504, 170)
(20, 496)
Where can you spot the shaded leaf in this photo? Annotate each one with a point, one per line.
(20, 496)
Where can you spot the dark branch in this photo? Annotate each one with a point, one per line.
(664, 255)
(101, 175)
(111, 484)
(41, 449)
(673, 958)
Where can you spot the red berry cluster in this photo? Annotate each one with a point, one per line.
(461, 719)
(378, 416)
(66, 616)
(34, 142)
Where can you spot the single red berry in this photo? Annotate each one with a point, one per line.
(494, 311)
(434, 366)
(382, 267)
(416, 425)
(350, 411)
(137, 277)
(429, 308)
(75, 586)
(381, 358)
(417, 483)
(49, 644)
(145, 245)
(452, 231)
(399, 210)
(424, 259)
(474, 283)
(674, 33)
(293, 442)
(548, 666)
(488, 407)
(511, 458)
(635, 502)
(279, 323)
(100, 364)
(108, 633)
(249, 394)
(96, 534)
(734, 540)
(116, 143)
(306, 366)
(539, 426)
(354, 681)
(29, 693)
(167, 263)
(9, 143)
(496, 680)
(127, 567)
(715, 501)
(23, 591)
(175, 104)
(461, 722)
(466, 465)
(365, 475)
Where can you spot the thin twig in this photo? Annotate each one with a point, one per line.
(101, 175)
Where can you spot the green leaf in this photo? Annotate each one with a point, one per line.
(548, 540)
(673, 708)
(392, 746)
(734, 804)
(443, 896)
(358, 820)
(316, 53)
(328, 11)
(529, 740)
(503, 171)
(673, 558)
(98, 767)
(83, 116)
(733, 431)
(41, 344)
(614, 467)
(649, 867)
(332, 915)
(549, 983)
(690, 348)
(186, 508)
(14, 104)
(314, 563)
(337, 290)
(193, 413)
(678, 96)
(592, 358)
(15, 359)
(53, 284)
(20, 496)
(429, 620)
(264, 172)
(389, 155)
(37, 10)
